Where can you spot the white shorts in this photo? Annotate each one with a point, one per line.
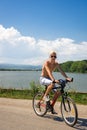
(46, 82)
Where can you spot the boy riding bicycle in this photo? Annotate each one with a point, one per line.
(47, 79)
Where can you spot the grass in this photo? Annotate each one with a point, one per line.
(80, 98)
(13, 93)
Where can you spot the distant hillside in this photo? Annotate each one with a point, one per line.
(75, 66)
(69, 66)
(18, 67)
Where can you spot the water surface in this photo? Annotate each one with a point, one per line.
(22, 79)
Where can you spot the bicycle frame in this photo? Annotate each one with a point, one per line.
(64, 96)
(67, 105)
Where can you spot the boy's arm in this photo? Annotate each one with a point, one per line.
(62, 72)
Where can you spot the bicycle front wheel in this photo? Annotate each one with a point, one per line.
(39, 105)
(69, 111)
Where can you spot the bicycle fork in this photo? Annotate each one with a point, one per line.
(66, 104)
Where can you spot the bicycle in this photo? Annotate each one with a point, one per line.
(68, 107)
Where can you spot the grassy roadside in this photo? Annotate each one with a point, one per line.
(80, 98)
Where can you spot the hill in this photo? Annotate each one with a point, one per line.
(14, 67)
(75, 66)
(69, 66)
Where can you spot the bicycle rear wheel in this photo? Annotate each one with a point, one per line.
(39, 105)
(69, 111)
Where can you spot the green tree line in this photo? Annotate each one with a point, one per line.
(75, 66)
(69, 66)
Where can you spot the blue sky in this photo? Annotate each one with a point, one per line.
(30, 29)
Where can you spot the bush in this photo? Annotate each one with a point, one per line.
(35, 87)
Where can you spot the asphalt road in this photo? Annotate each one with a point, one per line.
(17, 114)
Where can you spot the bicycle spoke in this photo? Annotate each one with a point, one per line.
(69, 111)
(39, 105)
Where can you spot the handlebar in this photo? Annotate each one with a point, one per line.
(63, 82)
(68, 80)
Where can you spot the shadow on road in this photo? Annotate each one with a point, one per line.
(80, 125)
(55, 118)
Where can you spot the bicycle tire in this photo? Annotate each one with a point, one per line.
(69, 111)
(41, 109)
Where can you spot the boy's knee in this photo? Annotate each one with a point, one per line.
(52, 85)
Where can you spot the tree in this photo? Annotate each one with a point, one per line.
(66, 66)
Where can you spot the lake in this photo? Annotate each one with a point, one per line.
(22, 79)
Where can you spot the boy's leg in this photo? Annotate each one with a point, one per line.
(46, 82)
(49, 88)
(56, 95)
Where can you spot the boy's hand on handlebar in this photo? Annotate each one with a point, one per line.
(57, 81)
(69, 79)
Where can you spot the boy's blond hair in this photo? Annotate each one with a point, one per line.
(53, 52)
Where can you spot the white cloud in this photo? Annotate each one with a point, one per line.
(18, 49)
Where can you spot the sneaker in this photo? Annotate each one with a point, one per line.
(50, 108)
(53, 111)
(46, 98)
